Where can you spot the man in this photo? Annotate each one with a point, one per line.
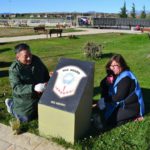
(28, 77)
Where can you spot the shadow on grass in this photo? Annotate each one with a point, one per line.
(96, 91)
(146, 97)
(31, 127)
(3, 73)
(4, 64)
(59, 55)
(108, 55)
(4, 50)
(4, 43)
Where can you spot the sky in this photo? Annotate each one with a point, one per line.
(35, 6)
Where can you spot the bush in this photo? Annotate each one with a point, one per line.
(93, 50)
(72, 36)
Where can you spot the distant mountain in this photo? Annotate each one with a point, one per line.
(138, 12)
(7, 13)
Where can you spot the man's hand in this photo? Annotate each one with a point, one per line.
(51, 73)
(40, 87)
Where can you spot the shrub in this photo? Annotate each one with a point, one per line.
(72, 36)
(93, 50)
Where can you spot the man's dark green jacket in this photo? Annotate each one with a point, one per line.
(23, 78)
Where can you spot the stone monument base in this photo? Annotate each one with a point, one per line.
(61, 124)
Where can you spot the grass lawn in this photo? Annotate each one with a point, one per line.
(9, 32)
(136, 51)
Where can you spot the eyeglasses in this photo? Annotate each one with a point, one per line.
(113, 66)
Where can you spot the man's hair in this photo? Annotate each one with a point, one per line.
(21, 47)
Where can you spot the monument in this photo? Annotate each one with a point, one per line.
(65, 107)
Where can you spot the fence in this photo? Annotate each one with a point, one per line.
(98, 22)
(33, 22)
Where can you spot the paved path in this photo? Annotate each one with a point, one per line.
(25, 141)
(85, 31)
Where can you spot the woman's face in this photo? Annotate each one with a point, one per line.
(115, 67)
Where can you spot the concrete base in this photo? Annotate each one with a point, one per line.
(61, 124)
(56, 123)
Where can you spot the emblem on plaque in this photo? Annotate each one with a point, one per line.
(67, 81)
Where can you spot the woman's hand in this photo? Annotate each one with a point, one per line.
(101, 104)
(139, 118)
(110, 79)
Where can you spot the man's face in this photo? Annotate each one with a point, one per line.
(24, 57)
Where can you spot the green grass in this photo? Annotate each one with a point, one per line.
(136, 51)
(22, 31)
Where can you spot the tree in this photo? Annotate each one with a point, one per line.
(123, 13)
(143, 13)
(133, 14)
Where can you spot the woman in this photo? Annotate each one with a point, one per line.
(121, 93)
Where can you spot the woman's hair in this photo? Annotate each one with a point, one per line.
(120, 60)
